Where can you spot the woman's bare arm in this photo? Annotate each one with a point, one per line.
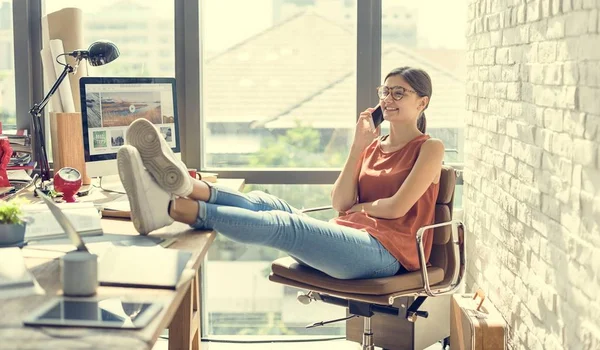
(345, 189)
(426, 170)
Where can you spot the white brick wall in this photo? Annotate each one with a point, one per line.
(532, 174)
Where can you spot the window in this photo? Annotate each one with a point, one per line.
(274, 97)
(270, 101)
(7, 68)
(417, 40)
(142, 30)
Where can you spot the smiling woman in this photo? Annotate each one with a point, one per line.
(411, 82)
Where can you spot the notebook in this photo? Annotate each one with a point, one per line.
(41, 224)
(147, 267)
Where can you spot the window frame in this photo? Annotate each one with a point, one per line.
(27, 36)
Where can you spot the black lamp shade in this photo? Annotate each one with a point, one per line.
(102, 52)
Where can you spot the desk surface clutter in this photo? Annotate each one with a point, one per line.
(179, 307)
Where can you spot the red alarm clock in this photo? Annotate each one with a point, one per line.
(68, 182)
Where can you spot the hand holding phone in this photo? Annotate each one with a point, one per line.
(366, 131)
(377, 117)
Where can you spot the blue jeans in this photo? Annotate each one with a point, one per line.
(260, 218)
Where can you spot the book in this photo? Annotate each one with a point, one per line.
(18, 175)
(41, 224)
(116, 209)
(15, 132)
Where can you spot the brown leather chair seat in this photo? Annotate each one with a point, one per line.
(292, 270)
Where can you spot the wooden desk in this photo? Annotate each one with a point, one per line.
(181, 312)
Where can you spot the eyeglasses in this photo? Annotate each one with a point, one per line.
(397, 92)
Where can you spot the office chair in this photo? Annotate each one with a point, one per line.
(401, 295)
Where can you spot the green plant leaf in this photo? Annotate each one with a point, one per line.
(10, 212)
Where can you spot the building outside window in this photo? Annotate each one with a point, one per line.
(142, 30)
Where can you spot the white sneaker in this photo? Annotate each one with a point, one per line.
(170, 172)
(148, 202)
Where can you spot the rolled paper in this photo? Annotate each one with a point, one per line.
(49, 79)
(67, 25)
(64, 89)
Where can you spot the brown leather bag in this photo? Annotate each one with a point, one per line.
(476, 326)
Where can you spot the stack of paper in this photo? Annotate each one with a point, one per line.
(41, 224)
(18, 175)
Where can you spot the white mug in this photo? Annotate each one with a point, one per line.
(79, 273)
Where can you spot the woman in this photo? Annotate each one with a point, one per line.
(387, 190)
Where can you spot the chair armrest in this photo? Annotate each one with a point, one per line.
(310, 210)
(458, 238)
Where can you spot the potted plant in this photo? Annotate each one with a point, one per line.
(12, 224)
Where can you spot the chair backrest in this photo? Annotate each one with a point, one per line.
(443, 250)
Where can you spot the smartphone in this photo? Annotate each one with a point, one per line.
(377, 116)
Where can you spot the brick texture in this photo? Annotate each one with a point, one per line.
(532, 171)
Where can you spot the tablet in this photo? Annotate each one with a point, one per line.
(105, 313)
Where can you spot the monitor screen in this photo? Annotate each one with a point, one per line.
(110, 105)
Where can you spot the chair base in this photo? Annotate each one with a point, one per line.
(367, 311)
(397, 333)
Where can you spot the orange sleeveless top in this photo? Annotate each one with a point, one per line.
(381, 175)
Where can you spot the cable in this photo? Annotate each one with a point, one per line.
(105, 189)
(57, 61)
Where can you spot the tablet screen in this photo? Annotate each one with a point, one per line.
(112, 313)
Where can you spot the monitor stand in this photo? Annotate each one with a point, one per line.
(109, 183)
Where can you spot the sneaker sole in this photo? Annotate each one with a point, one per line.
(165, 171)
(126, 161)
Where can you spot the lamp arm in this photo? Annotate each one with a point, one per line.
(37, 108)
(36, 113)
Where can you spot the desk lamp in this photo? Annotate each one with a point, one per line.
(99, 53)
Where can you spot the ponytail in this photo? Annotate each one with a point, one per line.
(422, 123)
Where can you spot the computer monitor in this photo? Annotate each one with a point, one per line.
(110, 105)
